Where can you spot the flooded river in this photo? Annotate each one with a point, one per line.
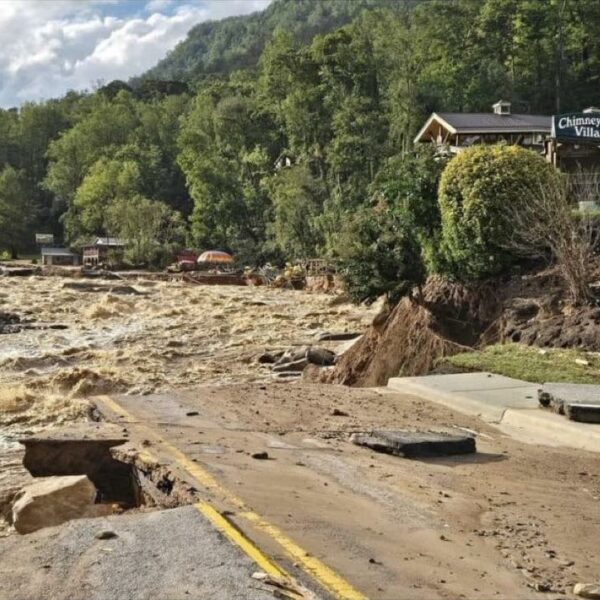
(168, 335)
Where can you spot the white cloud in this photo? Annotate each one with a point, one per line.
(51, 46)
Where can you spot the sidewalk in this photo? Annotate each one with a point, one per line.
(511, 405)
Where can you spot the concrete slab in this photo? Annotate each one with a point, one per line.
(509, 404)
(481, 394)
(164, 554)
(535, 426)
(579, 402)
(573, 393)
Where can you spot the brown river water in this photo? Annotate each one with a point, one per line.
(170, 335)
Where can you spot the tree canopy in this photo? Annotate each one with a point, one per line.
(266, 134)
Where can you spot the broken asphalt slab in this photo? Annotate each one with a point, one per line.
(82, 449)
(509, 404)
(163, 554)
(415, 444)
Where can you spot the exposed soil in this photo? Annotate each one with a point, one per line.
(408, 342)
(452, 318)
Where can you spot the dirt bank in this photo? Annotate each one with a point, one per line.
(450, 318)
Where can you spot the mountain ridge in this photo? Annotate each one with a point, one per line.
(217, 47)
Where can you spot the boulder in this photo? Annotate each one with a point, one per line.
(587, 590)
(52, 501)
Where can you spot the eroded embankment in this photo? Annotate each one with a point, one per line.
(449, 318)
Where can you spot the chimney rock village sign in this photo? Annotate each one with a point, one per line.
(577, 127)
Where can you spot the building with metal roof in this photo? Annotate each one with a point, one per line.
(59, 256)
(455, 131)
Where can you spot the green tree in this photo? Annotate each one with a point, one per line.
(17, 211)
(224, 168)
(107, 181)
(298, 200)
(151, 230)
(380, 254)
(101, 132)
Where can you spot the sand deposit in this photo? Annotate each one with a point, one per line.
(169, 335)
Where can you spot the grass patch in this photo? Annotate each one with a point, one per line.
(531, 364)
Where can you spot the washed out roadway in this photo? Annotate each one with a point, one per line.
(350, 523)
(345, 521)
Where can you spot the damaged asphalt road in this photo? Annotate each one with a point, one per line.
(170, 554)
(495, 523)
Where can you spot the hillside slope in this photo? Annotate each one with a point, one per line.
(237, 42)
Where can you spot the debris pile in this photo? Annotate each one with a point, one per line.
(291, 363)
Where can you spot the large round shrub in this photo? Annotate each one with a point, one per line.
(480, 189)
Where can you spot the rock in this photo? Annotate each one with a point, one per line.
(52, 501)
(9, 322)
(287, 375)
(260, 455)
(320, 356)
(337, 336)
(292, 355)
(106, 535)
(267, 359)
(336, 412)
(587, 590)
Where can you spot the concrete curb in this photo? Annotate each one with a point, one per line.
(550, 429)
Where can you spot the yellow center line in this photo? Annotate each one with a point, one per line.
(215, 517)
(325, 576)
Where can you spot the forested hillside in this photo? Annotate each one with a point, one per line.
(308, 153)
(237, 42)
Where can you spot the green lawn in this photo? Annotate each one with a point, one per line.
(531, 363)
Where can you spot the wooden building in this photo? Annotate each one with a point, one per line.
(452, 132)
(104, 251)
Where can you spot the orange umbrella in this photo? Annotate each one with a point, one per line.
(215, 256)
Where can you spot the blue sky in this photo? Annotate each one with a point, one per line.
(52, 46)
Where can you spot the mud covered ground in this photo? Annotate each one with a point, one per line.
(155, 337)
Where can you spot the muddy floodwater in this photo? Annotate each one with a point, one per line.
(165, 335)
